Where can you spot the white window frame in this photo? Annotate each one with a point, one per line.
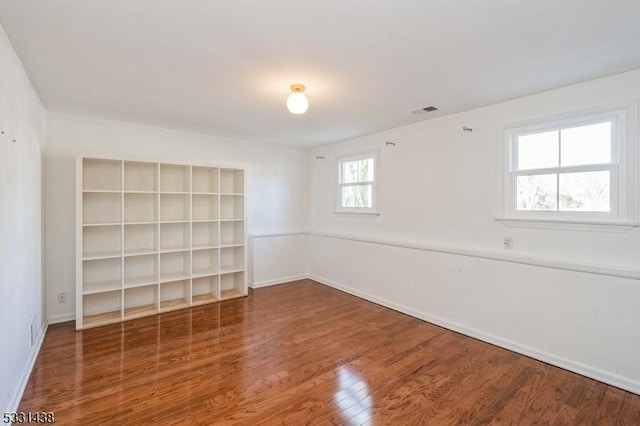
(623, 170)
(374, 184)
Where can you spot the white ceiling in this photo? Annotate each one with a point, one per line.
(224, 66)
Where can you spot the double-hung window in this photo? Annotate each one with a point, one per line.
(569, 170)
(357, 183)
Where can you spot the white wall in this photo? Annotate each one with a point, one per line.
(440, 189)
(279, 258)
(21, 118)
(277, 185)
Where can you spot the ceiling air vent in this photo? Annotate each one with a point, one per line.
(424, 110)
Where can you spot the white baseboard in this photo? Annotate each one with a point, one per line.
(266, 283)
(22, 384)
(56, 319)
(579, 368)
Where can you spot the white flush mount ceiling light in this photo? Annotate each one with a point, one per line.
(297, 102)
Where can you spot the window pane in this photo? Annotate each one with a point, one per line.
(363, 196)
(536, 192)
(586, 144)
(538, 150)
(348, 196)
(357, 196)
(365, 170)
(585, 192)
(349, 171)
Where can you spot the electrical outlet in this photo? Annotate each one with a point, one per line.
(507, 243)
(31, 333)
(62, 297)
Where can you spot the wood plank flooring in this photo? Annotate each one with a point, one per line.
(303, 353)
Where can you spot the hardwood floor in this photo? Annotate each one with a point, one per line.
(303, 353)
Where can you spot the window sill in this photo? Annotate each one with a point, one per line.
(568, 225)
(355, 213)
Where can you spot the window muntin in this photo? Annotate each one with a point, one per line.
(356, 182)
(565, 171)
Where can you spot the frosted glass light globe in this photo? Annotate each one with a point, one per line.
(297, 103)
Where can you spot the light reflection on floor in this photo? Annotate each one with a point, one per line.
(352, 397)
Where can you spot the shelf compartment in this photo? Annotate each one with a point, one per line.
(140, 301)
(232, 285)
(231, 207)
(174, 207)
(140, 208)
(139, 176)
(205, 235)
(174, 178)
(205, 262)
(231, 233)
(174, 236)
(174, 295)
(174, 266)
(101, 308)
(101, 241)
(206, 289)
(100, 208)
(139, 239)
(204, 179)
(231, 181)
(101, 175)
(231, 259)
(101, 275)
(140, 270)
(205, 207)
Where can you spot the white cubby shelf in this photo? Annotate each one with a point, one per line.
(153, 237)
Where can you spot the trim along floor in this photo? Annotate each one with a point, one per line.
(303, 352)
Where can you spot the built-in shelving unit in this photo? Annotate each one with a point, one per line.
(156, 237)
